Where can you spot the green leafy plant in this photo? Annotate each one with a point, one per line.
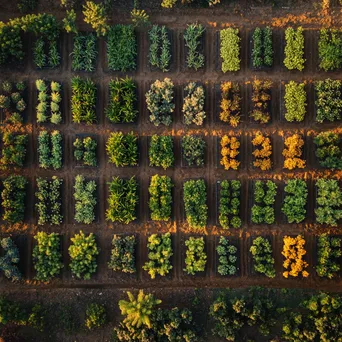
(9, 261)
(122, 201)
(123, 254)
(11, 42)
(229, 204)
(159, 255)
(47, 256)
(160, 151)
(13, 149)
(160, 47)
(294, 49)
(95, 15)
(69, 22)
(329, 49)
(85, 151)
(96, 316)
(25, 6)
(193, 150)
(195, 203)
(263, 261)
(264, 199)
(193, 105)
(193, 36)
(84, 52)
(196, 259)
(139, 17)
(261, 99)
(295, 101)
(83, 252)
(227, 258)
(262, 51)
(50, 149)
(160, 201)
(159, 100)
(230, 49)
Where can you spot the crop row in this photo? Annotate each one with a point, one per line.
(123, 199)
(83, 252)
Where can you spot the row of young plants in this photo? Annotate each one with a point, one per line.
(83, 252)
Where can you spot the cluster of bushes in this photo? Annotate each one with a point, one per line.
(229, 152)
(49, 102)
(160, 201)
(293, 252)
(84, 52)
(123, 200)
(193, 150)
(328, 100)
(195, 203)
(159, 255)
(262, 155)
(13, 149)
(328, 151)
(49, 200)
(229, 204)
(295, 101)
(294, 49)
(230, 49)
(12, 100)
(293, 153)
(294, 206)
(193, 105)
(329, 202)
(122, 107)
(85, 200)
(195, 259)
(193, 38)
(262, 51)
(159, 100)
(85, 151)
(262, 253)
(11, 41)
(50, 149)
(227, 257)
(160, 47)
(230, 103)
(13, 198)
(9, 260)
(261, 101)
(160, 151)
(264, 199)
(123, 254)
(121, 48)
(329, 49)
(122, 149)
(83, 100)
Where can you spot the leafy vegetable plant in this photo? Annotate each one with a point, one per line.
(262, 156)
(262, 51)
(294, 49)
(123, 254)
(193, 36)
(295, 101)
(227, 258)
(329, 49)
(230, 49)
(13, 149)
(193, 105)
(230, 103)
(96, 316)
(261, 100)
(9, 260)
(84, 52)
(263, 261)
(193, 150)
(161, 151)
(293, 153)
(50, 150)
(196, 258)
(229, 152)
(85, 151)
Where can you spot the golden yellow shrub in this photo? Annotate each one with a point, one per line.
(294, 251)
(230, 103)
(261, 98)
(262, 155)
(293, 152)
(229, 151)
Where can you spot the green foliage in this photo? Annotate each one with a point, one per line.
(122, 149)
(83, 252)
(193, 39)
(69, 22)
(45, 53)
(330, 49)
(122, 107)
(121, 48)
(263, 261)
(47, 256)
(196, 258)
(13, 149)
(84, 52)
(193, 150)
(294, 49)
(49, 201)
(160, 202)
(159, 100)
(9, 260)
(83, 100)
(295, 101)
(227, 258)
(264, 199)
(160, 47)
(50, 149)
(37, 318)
(160, 151)
(123, 200)
(11, 313)
(139, 17)
(294, 206)
(13, 198)
(328, 100)
(85, 151)
(229, 204)
(195, 203)
(96, 316)
(95, 15)
(159, 255)
(25, 6)
(85, 200)
(123, 254)
(193, 105)
(328, 255)
(262, 51)
(329, 202)
(12, 48)
(328, 150)
(230, 49)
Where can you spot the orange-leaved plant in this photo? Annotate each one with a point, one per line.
(293, 152)
(230, 103)
(229, 152)
(263, 154)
